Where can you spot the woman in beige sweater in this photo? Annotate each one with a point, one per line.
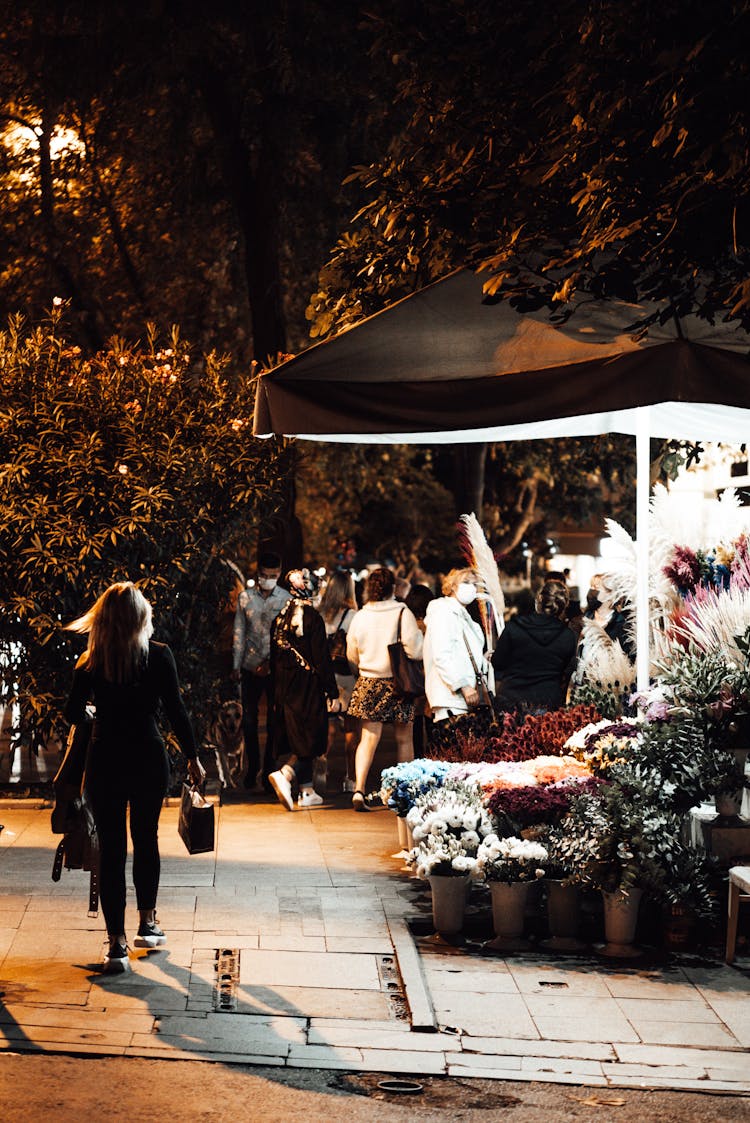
(374, 700)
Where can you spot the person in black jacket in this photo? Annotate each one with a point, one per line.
(303, 678)
(126, 676)
(535, 654)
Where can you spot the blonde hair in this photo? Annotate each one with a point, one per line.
(118, 626)
(456, 577)
(338, 595)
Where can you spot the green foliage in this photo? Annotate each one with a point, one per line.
(608, 156)
(609, 703)
(617, 839)
(136, 463)
(384, 497)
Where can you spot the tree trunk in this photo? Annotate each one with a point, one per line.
(251, 181)
(470, 461)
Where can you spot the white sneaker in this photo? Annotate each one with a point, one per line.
(282, 785)
(116, 960)
(309, 798)
(348, 785)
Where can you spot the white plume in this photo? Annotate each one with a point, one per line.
(483, 560)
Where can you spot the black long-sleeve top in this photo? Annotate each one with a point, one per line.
(126, 714)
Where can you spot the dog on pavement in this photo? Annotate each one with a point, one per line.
(227, 742)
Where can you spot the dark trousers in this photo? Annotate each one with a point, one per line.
(109, 805)
(253, 688)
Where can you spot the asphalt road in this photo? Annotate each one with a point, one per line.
(36, 1087)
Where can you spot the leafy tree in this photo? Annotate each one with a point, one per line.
(137, 463)
(385, 498)
(176, 163)
(596, 150)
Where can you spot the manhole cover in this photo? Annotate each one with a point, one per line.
(401, 1087)
(436, 1091)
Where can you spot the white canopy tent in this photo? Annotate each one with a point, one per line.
(445, 366)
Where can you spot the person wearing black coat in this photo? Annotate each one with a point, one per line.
(304, 690)
(535, 655)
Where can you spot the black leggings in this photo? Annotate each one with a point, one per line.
(109, 805)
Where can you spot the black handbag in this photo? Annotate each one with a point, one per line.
(408, 674)
(337, 649)
(68, 783)
(196, 822)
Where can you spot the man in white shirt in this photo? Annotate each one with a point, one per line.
(257, 608)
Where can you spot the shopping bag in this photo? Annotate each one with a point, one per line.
(196, 822)
(408, 674)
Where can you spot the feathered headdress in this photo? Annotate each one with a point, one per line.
(476, 549)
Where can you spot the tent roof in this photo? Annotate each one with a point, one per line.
(441, 366)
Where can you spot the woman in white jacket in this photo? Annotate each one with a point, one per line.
(454, 657)
(373, 699)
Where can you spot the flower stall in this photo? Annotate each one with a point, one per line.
(616, 797)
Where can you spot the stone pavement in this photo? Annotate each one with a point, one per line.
(289, 946)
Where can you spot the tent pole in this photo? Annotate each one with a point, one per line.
(643, 493)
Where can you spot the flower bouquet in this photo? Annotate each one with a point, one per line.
(448, 825)
(401, 785)
(605, 743)
(509, 865)
(517, 809)
(510, 859)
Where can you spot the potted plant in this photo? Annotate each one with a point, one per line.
(509, 865)
(448, 825)
(619, 842)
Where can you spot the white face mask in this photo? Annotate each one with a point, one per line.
(466, 593)
(267, 583)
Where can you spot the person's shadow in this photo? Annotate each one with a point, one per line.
(204, 1038)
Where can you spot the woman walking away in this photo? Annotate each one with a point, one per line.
(125, 674)
(302, 675)
(374, 700)
(337, 607)
(458, 678)
(535, 654)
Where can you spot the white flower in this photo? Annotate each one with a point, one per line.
(470, 840)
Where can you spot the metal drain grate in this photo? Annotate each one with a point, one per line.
(227, 979)
(393, 988)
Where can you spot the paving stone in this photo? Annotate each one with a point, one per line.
(75, 1018)
(478, 1062)
(690, 1033)
(644, 1072)
(313, 1002)
(559, 1028)
(467, 1069)
(671, 1055)
(291, 943)
(15, 1035)
(534, 980)
(484, 1015)
(413, 1062)
(313, 969)
(324, 1053)
(583, 1050)
(670, 988)
(569, 1065)
(365, 945)
(647, 1010)
(454, 979)
(366, 1038)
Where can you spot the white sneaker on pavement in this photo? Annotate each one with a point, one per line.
(282, 785)
(309, 798)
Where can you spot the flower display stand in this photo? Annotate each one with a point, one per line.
(403, 840)
(508, 915)
(448, 903)
(620, 920)
(563, 917)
